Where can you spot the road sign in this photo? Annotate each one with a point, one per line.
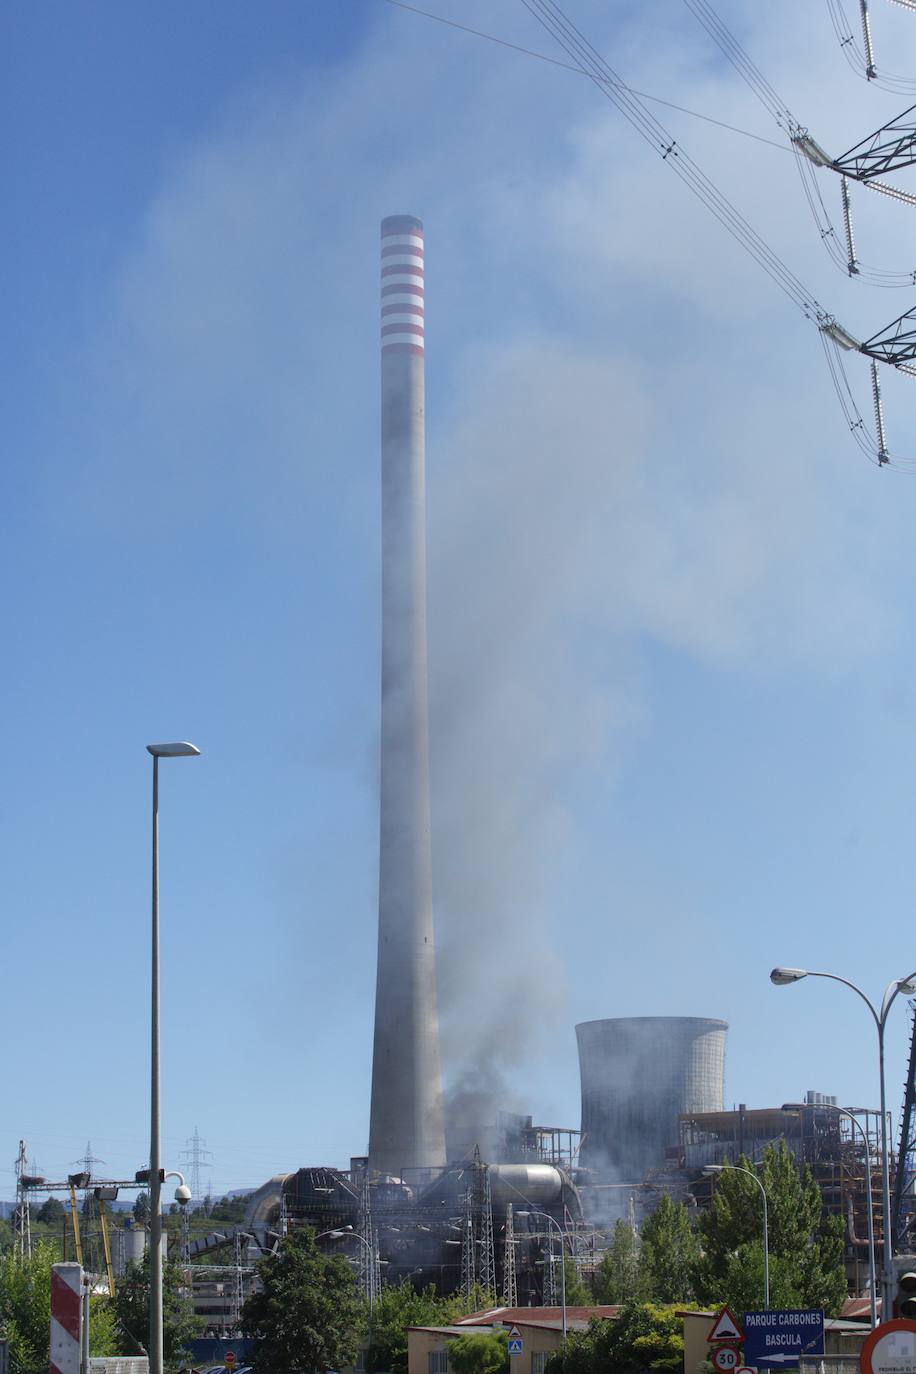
(745, 1369)
(890, 1348)
(725, 1328)
(774, 1340)
(229, 1359)
(515, 1341)
(726, 1358)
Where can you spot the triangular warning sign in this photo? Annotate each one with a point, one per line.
(725, 1327)
(514, 1333)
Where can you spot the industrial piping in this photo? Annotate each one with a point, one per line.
(406, 1127)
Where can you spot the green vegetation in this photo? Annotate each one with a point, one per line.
(617, 1279)
(578, 1294)
(25, 1308)
(659, 1265)
(645, 1337)
(51, 1212)
(399, 1306)
(308, 1315)
(722, 1261)
(229, 1209)
(25, 1312)
(668, 1254)
(480, 1354)
(806, 1248)
(131, 1310)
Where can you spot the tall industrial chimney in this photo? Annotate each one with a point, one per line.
(406, 1123)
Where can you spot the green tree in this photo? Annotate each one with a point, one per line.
(104, 1335)
(230, 1208)
(668, 1253)
(141, 1207)
(308, 1315)
(577, 1294)
(645, 1337)
(805, 1248)
(617, 1279)
(131, 1309)
(25, 1311)
(480, 1354)
(25, 1307)
(51, 1212)
(397, 1307)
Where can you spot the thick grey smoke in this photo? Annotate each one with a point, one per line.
(522, 499)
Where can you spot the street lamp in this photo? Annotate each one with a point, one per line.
(907, 985)
(159, 751)
(799, 1107)
(535, 1212)
(712, 1169)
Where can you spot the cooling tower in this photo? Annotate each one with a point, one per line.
(406, 1123)
(638, 1074)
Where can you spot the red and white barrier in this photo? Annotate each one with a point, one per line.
(66, 1322)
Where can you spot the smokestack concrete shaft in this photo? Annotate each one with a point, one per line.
(406, 1121)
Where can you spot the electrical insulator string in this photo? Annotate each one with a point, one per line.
(732, 49)
(855, 56)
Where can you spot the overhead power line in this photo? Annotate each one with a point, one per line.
(833, 336)
(556, 23)
(586, 60)
(573, 67)
(888, 149)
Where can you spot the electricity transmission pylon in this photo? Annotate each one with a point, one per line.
(22, 1218)
(198, 1157)
(468, 1274)
(484, 1209)
(510, 1284)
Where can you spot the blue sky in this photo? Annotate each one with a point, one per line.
(672, 633)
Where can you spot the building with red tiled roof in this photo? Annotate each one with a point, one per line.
(539, 1328)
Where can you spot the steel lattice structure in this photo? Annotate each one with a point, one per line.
(906, 1154)
(888, 149)
(895, 344)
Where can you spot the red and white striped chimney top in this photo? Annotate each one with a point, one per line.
(402, 284)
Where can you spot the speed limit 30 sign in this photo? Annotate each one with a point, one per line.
(726, 1359)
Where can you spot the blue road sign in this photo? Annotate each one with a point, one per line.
(774, 1340)
(515, 1346)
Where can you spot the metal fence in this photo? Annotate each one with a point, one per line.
(118, 1364)
(828, 1364)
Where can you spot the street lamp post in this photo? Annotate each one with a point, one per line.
(534, 1212)
(159, 751)
(872, 1268)
(782, 977)
(712, 1169)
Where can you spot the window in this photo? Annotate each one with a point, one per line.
(437, 1362)
(539, 1360)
